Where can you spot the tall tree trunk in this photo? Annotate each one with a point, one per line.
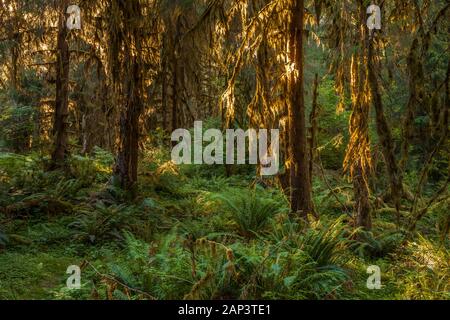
(62, 91)
(127, 159)
(360, 178)
(131, 94)
(416, 80)
(358, 156)
(176, 74)
(300, 187)
(384, 133)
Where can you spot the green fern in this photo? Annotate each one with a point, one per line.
(326, 245)
(102, 222)
(249, 210)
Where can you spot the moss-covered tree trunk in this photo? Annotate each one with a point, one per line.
(127, 159)
(60, 124)
(358, 155)
(129, 81)
(384, 131)
(300, 187)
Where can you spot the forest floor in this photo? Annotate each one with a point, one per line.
(194, 233)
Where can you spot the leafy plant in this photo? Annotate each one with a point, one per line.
(249, 210)
(92, 169)
(380, 245)
(16, 125)
(326, 245)
(424, 271)
(101, 223)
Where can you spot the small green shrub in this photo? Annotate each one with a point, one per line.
(380, 245)
(101, 223)
(251, 211)
(326, 245)
(92, 169)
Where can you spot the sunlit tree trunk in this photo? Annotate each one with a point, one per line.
(300, 187)
(62, 90)
(358, 153)
(384, 132)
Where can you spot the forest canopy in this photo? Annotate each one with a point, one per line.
(349, 99)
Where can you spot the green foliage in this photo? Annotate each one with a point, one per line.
(62, 189)
(189, 236)
(305, 279)
(220, 232)
(326, 245)
(333, 127)
(102, 157)
(163, 271)
(176, 267)
(18, 170)
(378, 246)
(425, 271)
(92, 169)
(16, 126)
(102, 222)
(32, 275)
(250, 210)
(308, 265)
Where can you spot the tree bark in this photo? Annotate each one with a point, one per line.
(358, 156)
(62, 91)
(300, 188)
(384, 133)
(131, 93)
(127, 159)
(176, 74)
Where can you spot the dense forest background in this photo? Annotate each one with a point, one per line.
(86, 176)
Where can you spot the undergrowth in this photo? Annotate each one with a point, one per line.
(194, 234)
